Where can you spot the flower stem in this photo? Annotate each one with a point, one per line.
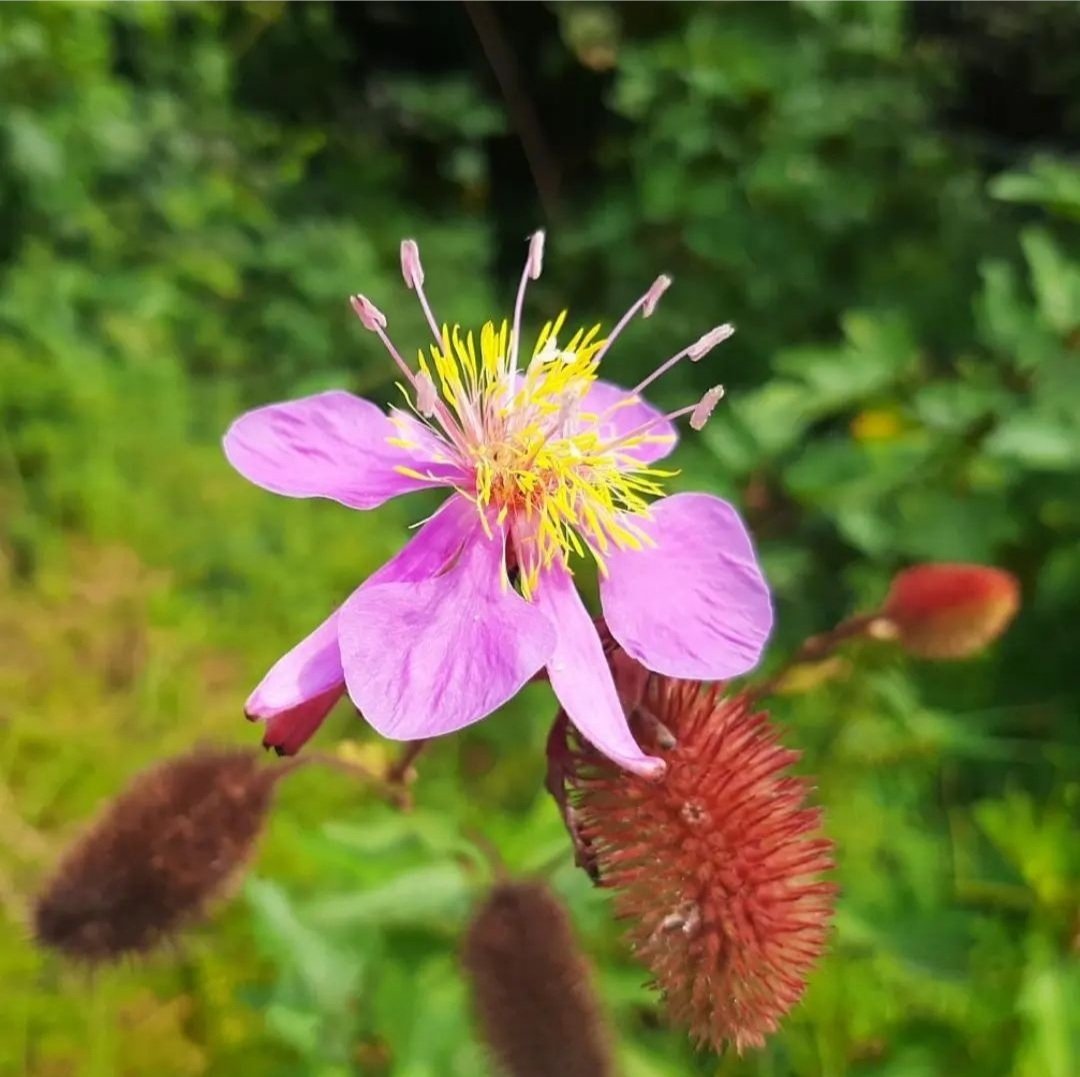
(393, 792)
(817, 648)
(402, 772)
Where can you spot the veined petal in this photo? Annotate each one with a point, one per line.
(302, 687)
(300, 690)
(620, 412)
(432, 548)
(432, 657)
(581, 679)
(695, 605)
(333, 445)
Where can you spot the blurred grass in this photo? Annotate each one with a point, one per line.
(179, 228)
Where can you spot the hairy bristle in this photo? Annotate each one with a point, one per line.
(157, 856)
(943, 611)
(717, 868)
(531, 987)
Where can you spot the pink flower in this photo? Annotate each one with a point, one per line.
(545, 463)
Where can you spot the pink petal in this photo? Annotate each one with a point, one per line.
(288, 731)
(302, 687)
(695, 605)
(620, 412)
(300, 690)
(331, 445)
(581, 679)
(433, 546)
(431, 657)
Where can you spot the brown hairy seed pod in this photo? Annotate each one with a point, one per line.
(157, 857)
(531, 987)
(716, 867)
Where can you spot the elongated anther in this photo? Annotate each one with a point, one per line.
(411, 269)
(370, 316)
(705, 406)
(652, 296)
(700, 348)
(536, 255)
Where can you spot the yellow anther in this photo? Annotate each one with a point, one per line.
(533, 452)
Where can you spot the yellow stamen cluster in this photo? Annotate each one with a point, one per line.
(537, 458)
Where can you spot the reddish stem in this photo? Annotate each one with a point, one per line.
(815, 649)
(401, 772)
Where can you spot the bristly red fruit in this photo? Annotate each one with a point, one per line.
(946, 611)
(160, 853)
(717, 867)
(531, 987)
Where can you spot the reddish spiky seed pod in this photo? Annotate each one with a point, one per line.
(948, 610)
(716, 867)
(531, 987)
(160, 853)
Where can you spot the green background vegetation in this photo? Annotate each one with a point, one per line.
(877, 195)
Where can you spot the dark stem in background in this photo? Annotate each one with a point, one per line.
(542, 163)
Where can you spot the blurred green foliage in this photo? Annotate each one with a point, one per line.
(187, 195)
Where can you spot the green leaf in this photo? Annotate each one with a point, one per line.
(1055, 280)
(1045, 443)
(775, 416)
(433, 896)
(1008, 321)
(1047, 1005)
(1051, 183)
(955, 406)
(329, 974)
(936, 524)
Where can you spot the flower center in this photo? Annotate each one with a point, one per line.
(535, 453)
(535, 448)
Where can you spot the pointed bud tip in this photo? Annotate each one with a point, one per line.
(652, 296)
(411, 269)
(370, 316)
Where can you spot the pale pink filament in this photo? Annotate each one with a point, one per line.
(646, 304)
(533, 265)
(413, 272)
(694, 352)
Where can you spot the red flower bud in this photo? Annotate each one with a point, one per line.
(949, 610)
